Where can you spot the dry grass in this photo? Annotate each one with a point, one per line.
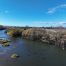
(54, 36)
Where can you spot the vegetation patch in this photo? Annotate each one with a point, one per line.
(50, 36)
(14, 32)
(33, 34)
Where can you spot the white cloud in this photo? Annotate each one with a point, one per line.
(53, 10)
(62, 23)
(43, 23)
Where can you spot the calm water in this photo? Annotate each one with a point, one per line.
(31, 53)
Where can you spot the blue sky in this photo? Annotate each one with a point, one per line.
(33, 12)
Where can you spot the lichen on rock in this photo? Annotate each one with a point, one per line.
(14, 56)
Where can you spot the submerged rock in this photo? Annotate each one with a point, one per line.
(4, 42)
(14, 56)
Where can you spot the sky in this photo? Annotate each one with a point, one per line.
(38, 13)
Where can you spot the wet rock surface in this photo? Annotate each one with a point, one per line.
(14, 56)
(4, 42)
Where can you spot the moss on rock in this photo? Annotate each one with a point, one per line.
(14, 56)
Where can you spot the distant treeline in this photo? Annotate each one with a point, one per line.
(27, 27)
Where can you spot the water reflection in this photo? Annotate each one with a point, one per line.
(32, 53)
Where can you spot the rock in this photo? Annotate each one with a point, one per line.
(4, 42)
(14, 56)
(63, 48)
(45, 41)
